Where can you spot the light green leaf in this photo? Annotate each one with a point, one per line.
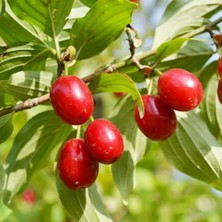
(28, 84)
(84, 205)
(194, 150)
(101, 26)
(184, 16)
(31, 149)
(170, 47)
(135, 143)
(197, 51)
(49, 16)
(29, 57)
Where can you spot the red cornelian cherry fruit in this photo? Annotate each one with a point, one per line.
(71, 100)
(77, 168)
(219, 67)
(159, 120)
(180, 89)
(104, 141)
(219, 90)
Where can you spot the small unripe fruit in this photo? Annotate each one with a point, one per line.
(104, 141)
(180, 89)
(77, 168)
(159, 120)
(71, 100)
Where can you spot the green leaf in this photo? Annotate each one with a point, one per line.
(6, 129)
(211, 107)
(31, 57)
(31, 149)
(2, 177)
(135, 143)
(28, 84)
(6, 126)
(11, 24)
(182, 17)
(194, 150)
(84, 205)
(101, 26)
(49, 16)
(89, 3)
(170, 47)
(116, 82)
(6, 100)
(197, 51)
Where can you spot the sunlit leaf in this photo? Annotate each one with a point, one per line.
(49, 16)
(28, 84)
(182, 17)
(194, 150)
(31, 150)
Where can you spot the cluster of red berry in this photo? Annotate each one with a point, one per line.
(79, 158)
(179, 90)
(219, 87)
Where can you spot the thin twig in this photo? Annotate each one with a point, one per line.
(28, 104)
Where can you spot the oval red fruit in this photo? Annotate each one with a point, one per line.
(219, 90)
(180, 89)
(104, 141)
(219, 67)
(76, 167)
(159, 120)
(71, 100)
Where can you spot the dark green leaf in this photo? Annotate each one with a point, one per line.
(31, 149)
(194, 150)
(28, 84)
(5, 130)
(182, 17)
(135, 143)
(84, 205)
(49, 16)
(10, 25)
(101, 26)
(31, 57)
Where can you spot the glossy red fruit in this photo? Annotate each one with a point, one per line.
(219, 67)
(104, 141)
(159, 120)
(180, 89)
(76, 167)
(71, 100)
(219, 90)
